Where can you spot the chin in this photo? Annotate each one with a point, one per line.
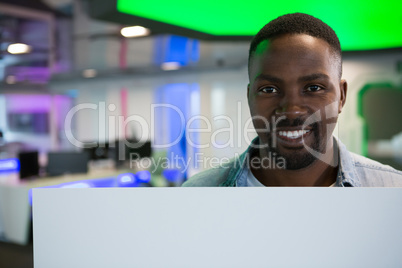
(299, 161)
(299, 158)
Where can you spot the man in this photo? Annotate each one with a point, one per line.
(295, 95)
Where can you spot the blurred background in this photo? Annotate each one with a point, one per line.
(92, 92)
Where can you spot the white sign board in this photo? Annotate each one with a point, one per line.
(218, 227)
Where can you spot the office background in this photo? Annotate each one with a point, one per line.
(78, 57)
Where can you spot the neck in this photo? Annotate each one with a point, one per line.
(319, 173)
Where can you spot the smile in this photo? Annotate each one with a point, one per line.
(293, 134)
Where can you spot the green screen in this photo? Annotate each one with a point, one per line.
(360, 25)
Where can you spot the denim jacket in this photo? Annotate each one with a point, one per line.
(354, 171)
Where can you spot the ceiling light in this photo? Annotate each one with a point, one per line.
(170, 66)
(134, 31)
(18, 48)
(11, 79)
(89, 73)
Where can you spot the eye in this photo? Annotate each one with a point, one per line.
(268, 90)
(314, 88)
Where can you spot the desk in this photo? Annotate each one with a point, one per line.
(15, 210)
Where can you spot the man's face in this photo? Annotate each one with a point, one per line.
(293, 78)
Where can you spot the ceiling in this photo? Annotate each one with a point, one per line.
(80, 42)
(31, 22)
(359, 24)
(84, 43)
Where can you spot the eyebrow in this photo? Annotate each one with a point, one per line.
(305, 78)
(313, 77)
(268, 77)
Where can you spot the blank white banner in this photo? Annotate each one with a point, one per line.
(218, 227)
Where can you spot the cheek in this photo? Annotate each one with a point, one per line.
(330, 109)
(329, 118)
(262, 127)
(261, 112)
(261, 106)
(327, 104)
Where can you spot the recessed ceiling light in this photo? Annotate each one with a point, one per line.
(18, 48)
(134, 31)
(89, 73)
(11, 79)
(170, 66)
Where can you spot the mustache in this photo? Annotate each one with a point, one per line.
(286, 122)
(298, 122)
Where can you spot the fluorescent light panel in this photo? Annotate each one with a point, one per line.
(89, 73)
(134, 31)
(170, 66)
(11, 79)
(19, 48)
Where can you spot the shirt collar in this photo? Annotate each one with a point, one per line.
(238, 174)
(347, 176)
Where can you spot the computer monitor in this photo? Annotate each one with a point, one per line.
(126, 150)
(145, 150)
(60, 163)
(119, 152)
(101, 151)
(29, 164)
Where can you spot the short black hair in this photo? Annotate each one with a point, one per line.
(297, 23)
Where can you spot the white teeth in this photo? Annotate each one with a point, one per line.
(293, 134)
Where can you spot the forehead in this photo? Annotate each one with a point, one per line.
(293, 54)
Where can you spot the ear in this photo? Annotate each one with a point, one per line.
(344, 88)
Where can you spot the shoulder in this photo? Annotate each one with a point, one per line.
(373, 173)
(211, 177)
(208, 178)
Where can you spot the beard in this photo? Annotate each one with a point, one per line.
(300, 158)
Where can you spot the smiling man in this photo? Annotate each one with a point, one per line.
(295, 95)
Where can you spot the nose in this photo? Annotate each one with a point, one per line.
(292, 106)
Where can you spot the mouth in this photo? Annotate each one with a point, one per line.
(289, 134)
(293, 137)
